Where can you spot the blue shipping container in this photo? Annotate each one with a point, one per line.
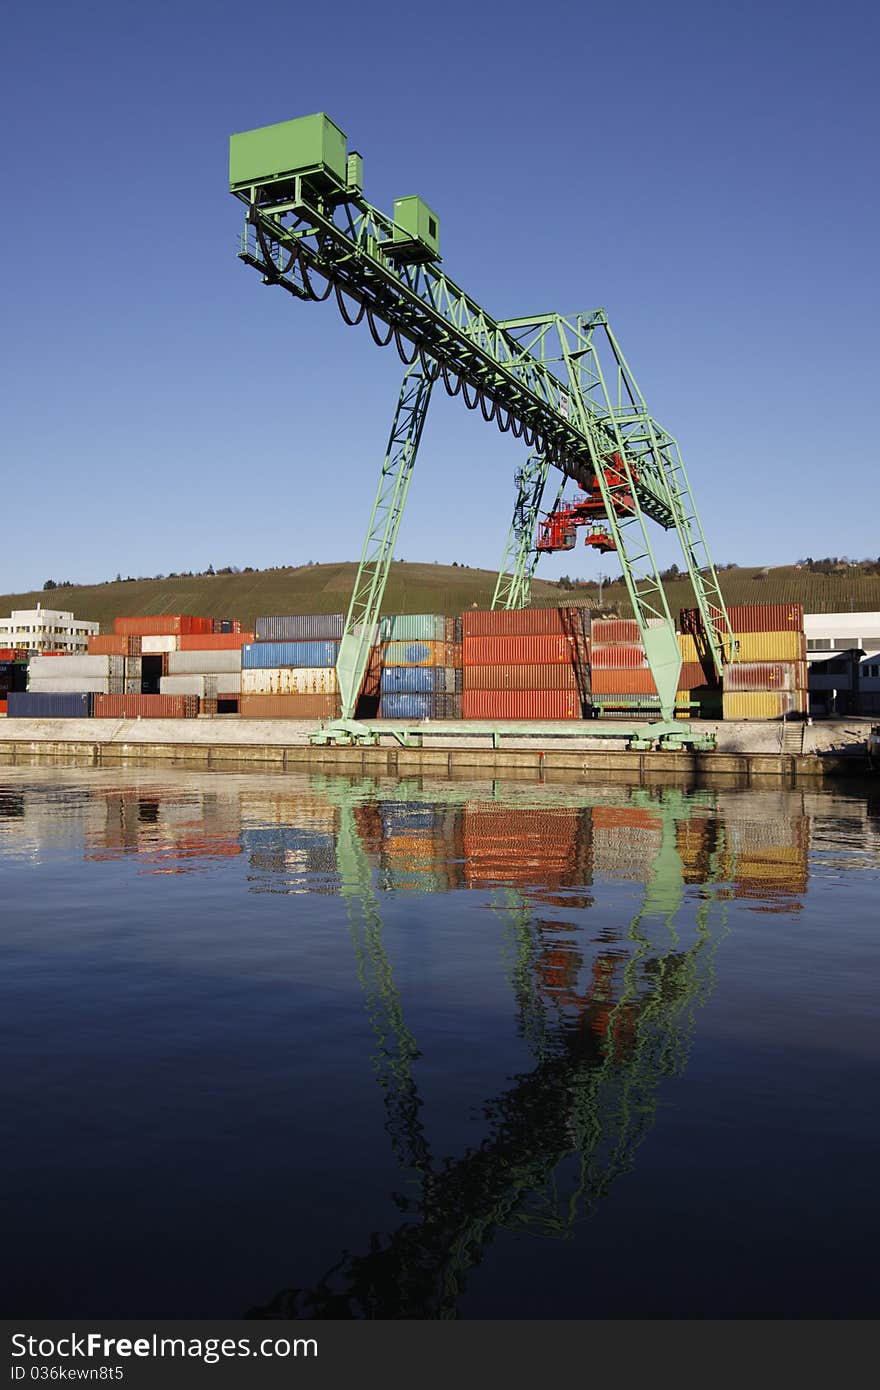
(33, 704)
(256, 656)
(406, 706)
(412, 680)
(301, 627)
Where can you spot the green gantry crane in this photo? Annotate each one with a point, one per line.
(562, 385)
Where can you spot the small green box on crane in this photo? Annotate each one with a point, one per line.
(416, 231)
(311, 146)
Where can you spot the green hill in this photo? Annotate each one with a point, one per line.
(416, 588)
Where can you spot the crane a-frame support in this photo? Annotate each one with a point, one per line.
(362, 620)
(514, 589)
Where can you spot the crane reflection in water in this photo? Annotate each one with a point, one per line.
(559, 1135)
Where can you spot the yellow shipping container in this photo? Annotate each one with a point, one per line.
(688, 647)
(771, 646)
(755, 704)
(290, 680)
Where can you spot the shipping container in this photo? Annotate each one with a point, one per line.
(418, 679)
(115, 644)
(272, 654)
(691, 675)
(758, 704)
(27, 704)
(624, 630)
(688, 647)
(95, 685)
(159, 646)
(521, 704)
(91, 667)
(214, 641)
(418, 653)
(525, 622)
(524, 678)
(617, 656)
(309, 707)
(290, 680)
(227, 626)
(146, 707)
(162, 625)
(413, 627)
(203, 663)
(771, 646)
(202, 687)
(632, 682)
(765, 675)
(521, 651)
(764, 617)
(13, 654)
(420, 705)
(301, 627)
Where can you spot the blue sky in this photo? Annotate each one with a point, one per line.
(707, 173)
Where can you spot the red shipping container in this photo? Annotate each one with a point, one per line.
(213, 641)
(765, 675)
(622, 682)
(616, 657)
(521, 651)
(13, 653)
(520, 678)
(146, 706)
(521, 704)
(692, 675)
(615, 630)
(115, 644)
(524, 622)
(3, 705)
(750, 617)
(162, 625)
(290, 706)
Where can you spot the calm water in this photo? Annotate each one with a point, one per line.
(315, 1047)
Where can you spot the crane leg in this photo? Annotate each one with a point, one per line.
(361, 623)
(514, 589)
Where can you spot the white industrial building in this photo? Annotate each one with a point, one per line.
(46, 630)
(843, 651)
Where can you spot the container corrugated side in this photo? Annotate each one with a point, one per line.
(162, 625)
(300, 627)
(521, 651)
(214, 641)
(203, 687)
(102, 667)
(413, 627)
(764, 617)
(688, 647)
(617, 656)
(27, 704)
(290, 680)
(203, 663)
(522, 678)
(525, 622)
(273, 654)
(615, 630)
(633, 682)
(415, 680)
(13, 654)
(757, 704)
(771, 646)
(158, 645)
(521, 704)
(146, 707)
(417, 653)
(691, 675)
(290, 707)
(95, 685)
(115, 644)
(405, 705)
(764, 675)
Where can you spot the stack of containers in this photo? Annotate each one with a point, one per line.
(768, 679)
(529, 663)
(207, 666)
(13, 673)
(289, 671)
(76, 674)
(159, 635)
(421, 667)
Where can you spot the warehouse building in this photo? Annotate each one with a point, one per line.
(45, 630)
(843, 652)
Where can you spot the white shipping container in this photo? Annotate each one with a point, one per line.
(94, 667)
(203, 663)
(203, 686)
(95, 685)
(155, 646)
(290, 680)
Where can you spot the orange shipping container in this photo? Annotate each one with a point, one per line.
(146, 706)
(290, 706)
(213, 641)
(524, 622)
(521, 651)
(163, 625)
(520, 704)
(617, 657)
(692, 675)
(115, 644)
(615, 630)
(520, 677)
(607, 682)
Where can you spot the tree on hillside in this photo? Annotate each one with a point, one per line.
(49, 584)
